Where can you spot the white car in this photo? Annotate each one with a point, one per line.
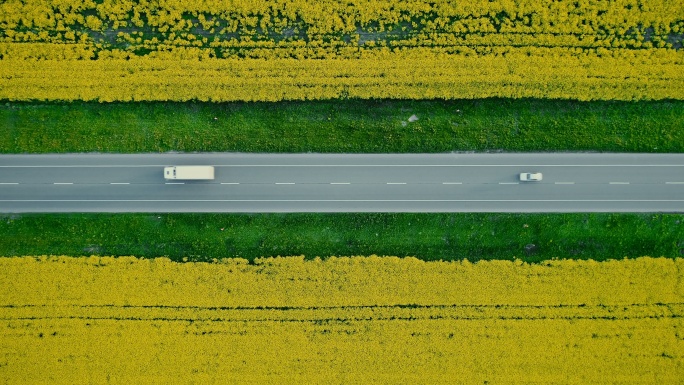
(530, 176)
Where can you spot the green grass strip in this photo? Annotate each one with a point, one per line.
(344, 126)
(202, 237)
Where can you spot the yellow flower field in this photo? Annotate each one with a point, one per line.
(340, 320)
(554, 73)
(273, 50)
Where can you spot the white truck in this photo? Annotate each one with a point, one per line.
(189, 172)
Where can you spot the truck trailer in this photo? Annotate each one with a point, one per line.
(189, 172)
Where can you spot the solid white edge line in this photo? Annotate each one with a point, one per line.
(354, 165)
(343, 200)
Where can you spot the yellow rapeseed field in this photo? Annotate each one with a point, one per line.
(353, 320)
(272, 50)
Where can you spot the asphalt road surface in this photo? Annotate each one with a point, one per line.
(459, 182)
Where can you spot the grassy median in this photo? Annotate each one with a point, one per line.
(344, 126)
(203, 237)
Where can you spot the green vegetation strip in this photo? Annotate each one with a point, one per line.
(203, 237)
(344, 126)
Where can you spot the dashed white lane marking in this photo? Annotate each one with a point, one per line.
(9, 183)
(674, 182)
(119, 183)
(174, 183)
(229, 183)
(618, 182)
(285, 183)
(396, 183)
(340, 183)
(62, 183)
(452, 182)
(509, 183)
(343, 200)
(564, 182)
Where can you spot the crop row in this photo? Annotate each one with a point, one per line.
(358, 281)
(343, 314)
(559, 351)
(237, 28)
(418, 74)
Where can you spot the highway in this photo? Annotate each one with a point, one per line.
(456, 182)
